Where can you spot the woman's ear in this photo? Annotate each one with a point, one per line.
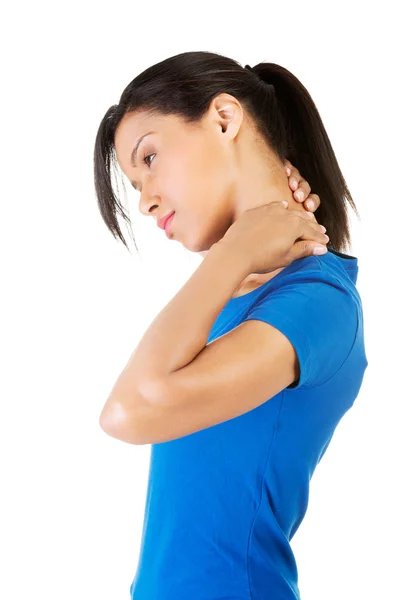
(227, 112)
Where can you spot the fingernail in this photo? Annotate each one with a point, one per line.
(311, 204)
(288, 171)
(299, 195)
(320, 250)
(294, 184)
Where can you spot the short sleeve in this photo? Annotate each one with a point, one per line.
(319, 316)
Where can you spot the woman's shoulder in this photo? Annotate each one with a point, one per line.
(333, 267)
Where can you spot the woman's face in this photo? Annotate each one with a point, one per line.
(189, 169)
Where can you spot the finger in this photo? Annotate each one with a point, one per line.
(288, 167)
(303, 190)
(292, 173)
(309, 228)
(312, 203)
(305, 248)
(294, 178)
(313, 231)
(277, 203)
(310, 217)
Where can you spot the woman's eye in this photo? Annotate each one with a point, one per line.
(146, 157)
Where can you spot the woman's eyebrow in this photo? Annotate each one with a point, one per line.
(135, 150)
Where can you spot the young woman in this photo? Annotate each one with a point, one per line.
(241, 380)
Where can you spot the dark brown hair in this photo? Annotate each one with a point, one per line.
(184, 85)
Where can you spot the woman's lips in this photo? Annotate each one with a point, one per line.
(168, 226)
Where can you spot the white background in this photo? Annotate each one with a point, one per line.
(75, 303)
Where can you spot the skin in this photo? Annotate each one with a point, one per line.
(209, 173)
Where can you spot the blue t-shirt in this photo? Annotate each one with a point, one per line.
(223, 503)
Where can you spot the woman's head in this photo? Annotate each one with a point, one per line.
(218, 130)
(205, 171)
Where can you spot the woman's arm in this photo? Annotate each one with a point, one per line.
(178, 333)
(174, 384)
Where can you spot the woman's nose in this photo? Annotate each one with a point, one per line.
(148, 200)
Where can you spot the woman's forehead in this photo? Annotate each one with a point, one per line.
(135, 122)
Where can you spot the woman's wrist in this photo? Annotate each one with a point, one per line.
(230, 257)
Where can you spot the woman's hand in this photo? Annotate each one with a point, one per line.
(299, 186)
(269, 236)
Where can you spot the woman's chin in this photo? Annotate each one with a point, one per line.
(196, 242)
